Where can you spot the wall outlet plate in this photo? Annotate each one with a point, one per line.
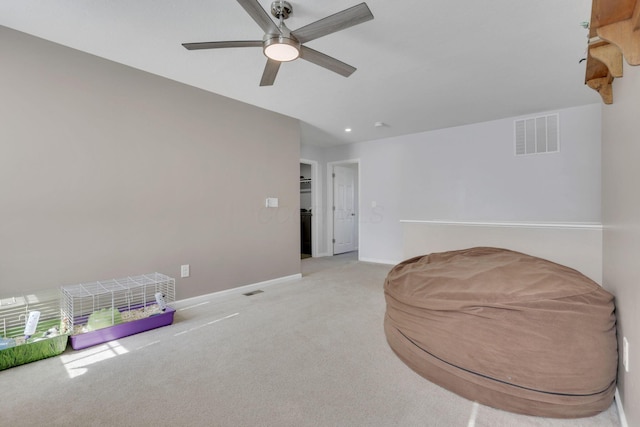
(625, 354)
(184, 270)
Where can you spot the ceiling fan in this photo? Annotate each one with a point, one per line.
(280, 44)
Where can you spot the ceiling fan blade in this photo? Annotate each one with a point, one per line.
(270, 72)
(260, 15)
(220, 45)
(336, 22)
(326, 61)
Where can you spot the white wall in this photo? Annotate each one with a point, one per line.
(621, 219)
(578, 246)
(469, 173)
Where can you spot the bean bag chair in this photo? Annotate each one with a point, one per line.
(505, 329)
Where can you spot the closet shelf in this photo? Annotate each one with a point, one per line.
(305, 185)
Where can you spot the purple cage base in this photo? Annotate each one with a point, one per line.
(121, 330)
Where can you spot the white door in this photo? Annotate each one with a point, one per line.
(344, 210)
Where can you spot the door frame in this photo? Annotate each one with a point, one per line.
(329, 209)
(316, 204)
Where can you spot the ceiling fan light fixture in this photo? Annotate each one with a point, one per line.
(279, 44)
(281, 49)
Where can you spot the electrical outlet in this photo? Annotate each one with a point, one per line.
(184, 270)
(625, 354)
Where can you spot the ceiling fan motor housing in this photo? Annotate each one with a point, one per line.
(282, 47)
(281, 9)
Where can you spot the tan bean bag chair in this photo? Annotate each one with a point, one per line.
(505, 329)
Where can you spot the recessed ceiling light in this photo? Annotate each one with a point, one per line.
(347, 129)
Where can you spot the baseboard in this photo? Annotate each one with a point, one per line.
(379, 261)
(372, 260)
(623, 418)
(240, 289)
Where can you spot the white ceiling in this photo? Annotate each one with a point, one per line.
(421, 64)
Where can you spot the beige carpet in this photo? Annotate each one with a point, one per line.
(308, 352)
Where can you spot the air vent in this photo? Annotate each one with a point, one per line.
(537, 135)
(257, 291)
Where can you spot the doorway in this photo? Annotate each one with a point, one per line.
(344, 208)
(308, 207)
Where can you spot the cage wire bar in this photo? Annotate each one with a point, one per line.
(78, 302)
(14, 312)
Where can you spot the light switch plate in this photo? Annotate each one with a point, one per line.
(272, 202)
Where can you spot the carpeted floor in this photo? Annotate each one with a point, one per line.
(308, 352)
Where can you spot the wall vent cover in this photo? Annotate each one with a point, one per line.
(537, 135)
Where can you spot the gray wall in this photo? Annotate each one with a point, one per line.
(470, 173)
(107, 171)
(621, 219)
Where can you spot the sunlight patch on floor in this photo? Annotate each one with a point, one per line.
(195, 328)
(474, 414)
(77, 363)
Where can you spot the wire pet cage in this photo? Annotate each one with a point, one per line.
(30, 328)
(97, 312)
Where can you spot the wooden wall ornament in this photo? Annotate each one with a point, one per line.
(611, 56)
(623, 35)
(614, 34)
(602, 85)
